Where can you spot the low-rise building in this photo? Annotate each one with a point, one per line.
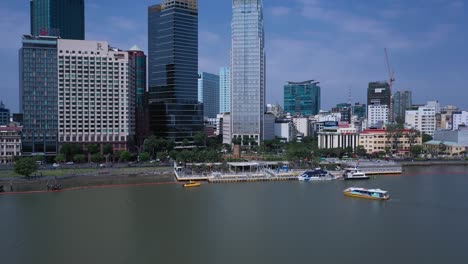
(10, 143)
(339, 138)
(377, 140)
(284, 129)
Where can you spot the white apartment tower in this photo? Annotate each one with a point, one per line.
(423, 119)
(247, 70)
(377, 115)
(95, 102)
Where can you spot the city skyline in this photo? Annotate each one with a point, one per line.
(312, 39)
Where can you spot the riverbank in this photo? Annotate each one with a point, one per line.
(80, 179)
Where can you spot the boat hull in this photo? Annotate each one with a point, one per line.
(357, 178)
(191, 185)
(362, 196)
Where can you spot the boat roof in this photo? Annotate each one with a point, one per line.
(367, 190)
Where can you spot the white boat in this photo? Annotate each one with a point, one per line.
(315, 175)
(373, 194)
(354, 174)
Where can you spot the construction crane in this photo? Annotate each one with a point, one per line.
(391, 74)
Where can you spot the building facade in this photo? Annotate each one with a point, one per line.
(208, 93)
(302, 98)
(377, 140)
(96, 98)
(39, 95)
(248, 70)
(174, 111)
(64, 19)
(377, 115)
(423, 119)
(378, 93)
(4, 115)
(10, 143)
(459, 118)
(339, 138)
(137, 78)
(225, 90)
(359, 110)
(402, 101)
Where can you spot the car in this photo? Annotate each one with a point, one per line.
(69, 163)
(102, 165)
(55, 165)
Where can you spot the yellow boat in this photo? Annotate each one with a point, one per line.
(373, 194)
(192, 184)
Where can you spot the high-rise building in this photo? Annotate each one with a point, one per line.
(137, 75)
(247, 70)
(174, 111)
(208, 93)
(96, 97)
(377, 115)
(402, 101)
(225, 90)
(302, 98)
(359, 110)
(39, 94)
(64, 19)
(4, 115)
(423, 119)
(379, 93)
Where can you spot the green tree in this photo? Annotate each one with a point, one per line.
(93, 148)
(185, 142)
(26, 166)
(361, 151)
(108, 149)
(237, 141)
(150, 145)
(97, 158)
(144, 156)
(200, 139)
(125, 155)
(79, 158)
(70, 150)
(60, 158)
(426, 138)
(416, 150)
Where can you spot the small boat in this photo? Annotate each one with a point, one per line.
(315, 175)
(192, 184)
(373, 194)
(354, 174)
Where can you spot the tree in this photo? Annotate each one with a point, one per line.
(426, 138)
(185, 142)
(144, 156)
(237, 141)
(108, 149)
(97, 158)
(200, 139)
(26, 166)
(93, 148)
(70, 150)
(361, 151)
(416, 150)
(60, 158)
(442, 148)
(125, 155)
(79, 158)
(150, 145)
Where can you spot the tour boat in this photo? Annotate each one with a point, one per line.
(354, 174)
(373, 194)
(192, 184)
(315, 175)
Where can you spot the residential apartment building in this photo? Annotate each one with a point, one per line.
(208, 93)
(459, 118)
(225, 90)
(423, 119)
(302, 125)
(377, 115)
(10, 143)
(248, 70)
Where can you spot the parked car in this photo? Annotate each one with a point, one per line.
(55, 165)
(69, 163)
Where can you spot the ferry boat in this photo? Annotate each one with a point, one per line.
(373, 194)
(192, 184)
(315, 175)
(354, 174)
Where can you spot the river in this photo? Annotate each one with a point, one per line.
(426, 221)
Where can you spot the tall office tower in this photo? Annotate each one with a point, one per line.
(4, 115)
(302, 98)
(402, 101)
(96, 99)
(378, 93)
(225, 90)
(60, 18)
(174, 111)
(208, 93)
(359, 110)
(137, 75)
(247, 70)
(39, 94)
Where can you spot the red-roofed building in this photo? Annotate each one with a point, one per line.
(377, 140)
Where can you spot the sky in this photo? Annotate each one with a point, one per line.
(339, 43)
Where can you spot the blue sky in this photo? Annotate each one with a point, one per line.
(339, 43)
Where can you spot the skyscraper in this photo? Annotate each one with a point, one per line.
(302, 98)
(137, 75)
(60, 18)
(378, 93)
(39, 94)
(225, 90)
(208, 93)
(247, 70)
(174, 111)
(402, 101)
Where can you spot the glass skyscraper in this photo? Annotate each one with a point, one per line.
(60, 18)
(247, 70)
(225, 90)
(174, 111)
(208, 93)
(302, 98)
(38, 94)
(402, 101)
